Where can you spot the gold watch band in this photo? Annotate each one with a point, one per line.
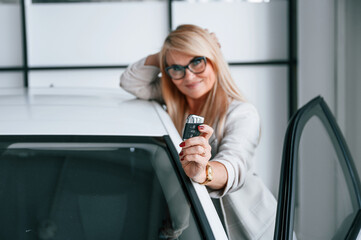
(209, 174)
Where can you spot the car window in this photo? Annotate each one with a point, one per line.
(319, 195)
(92, 190)
(325, 203)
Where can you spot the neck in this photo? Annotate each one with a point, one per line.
(195, 105)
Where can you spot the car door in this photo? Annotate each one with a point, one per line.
(319, 194)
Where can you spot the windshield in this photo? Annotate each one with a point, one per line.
(91, 190)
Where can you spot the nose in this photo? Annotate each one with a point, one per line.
(189, 74)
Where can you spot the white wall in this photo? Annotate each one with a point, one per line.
(10, 40)
(316, 51)
(10, 45)
(329, 36)
(267, 88)
(89, 78)
(94, 33)
(353, 79)
(247, 31)
(11, 79)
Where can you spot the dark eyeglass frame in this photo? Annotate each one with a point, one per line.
(187, 66)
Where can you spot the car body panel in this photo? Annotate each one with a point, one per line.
(89, 112)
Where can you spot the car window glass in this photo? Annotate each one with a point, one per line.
(92, 191)
(325, 205)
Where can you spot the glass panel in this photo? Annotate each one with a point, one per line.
(105, 33)
(11, 79)
(11, 37)
(246, 31)
(324, 204)
(267, 88)
(91, 191)
(90, 78)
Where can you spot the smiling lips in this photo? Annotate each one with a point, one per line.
(193, 85)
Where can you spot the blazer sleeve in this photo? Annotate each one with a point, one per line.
(142, 81)
(237, 147)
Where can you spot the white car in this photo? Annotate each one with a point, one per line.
(98, 164)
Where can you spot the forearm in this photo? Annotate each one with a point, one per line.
(142, 80)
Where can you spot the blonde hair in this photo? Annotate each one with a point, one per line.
(196, 41)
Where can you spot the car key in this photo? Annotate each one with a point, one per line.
(191, 126)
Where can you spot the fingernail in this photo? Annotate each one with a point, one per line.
(200, 127)
(181, 153)
(182, 144)
(182, 159)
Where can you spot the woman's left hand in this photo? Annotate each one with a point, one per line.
(196, 153)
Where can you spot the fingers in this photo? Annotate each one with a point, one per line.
(206, 131)
(200, 140)
(214, 37)
(196, 151)
(194, 158)
(204, 151)
(194, 147)
(198, 145)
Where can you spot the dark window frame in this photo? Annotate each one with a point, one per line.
(164, 142)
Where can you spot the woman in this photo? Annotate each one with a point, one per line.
(195, 79)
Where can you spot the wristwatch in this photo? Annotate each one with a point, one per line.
(209, 174)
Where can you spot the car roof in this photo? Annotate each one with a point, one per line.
(54, 111)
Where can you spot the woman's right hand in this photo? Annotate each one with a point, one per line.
(153, 60)
(196, 153)
(214, 37)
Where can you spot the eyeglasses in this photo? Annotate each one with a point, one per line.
(196, 65)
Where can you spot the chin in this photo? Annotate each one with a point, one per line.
(197, 95)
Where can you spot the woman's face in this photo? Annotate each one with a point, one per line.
(194, 86)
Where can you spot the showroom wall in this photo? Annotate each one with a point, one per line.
(88, 44)
(329, 56)
(11, 50)
(352, 115)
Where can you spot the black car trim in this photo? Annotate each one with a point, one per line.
(346, 152)
(286, 197)
(355, 227)
(203, 221)
(164, 142)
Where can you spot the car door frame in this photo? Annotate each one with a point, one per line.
(287, 188)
